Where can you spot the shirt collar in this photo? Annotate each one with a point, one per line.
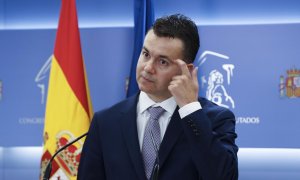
(145, 102)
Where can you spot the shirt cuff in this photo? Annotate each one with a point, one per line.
(189, 109)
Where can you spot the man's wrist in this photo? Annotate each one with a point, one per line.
(189, 109)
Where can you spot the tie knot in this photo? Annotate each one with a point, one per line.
(156, 112)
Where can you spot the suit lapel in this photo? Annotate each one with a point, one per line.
(129, 130)
(174, 130)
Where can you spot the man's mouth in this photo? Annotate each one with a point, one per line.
(147, 78)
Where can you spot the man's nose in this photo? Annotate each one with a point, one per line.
(149, 67)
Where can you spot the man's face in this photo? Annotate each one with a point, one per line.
(156, 65)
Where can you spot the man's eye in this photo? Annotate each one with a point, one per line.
(146, 54)
(163, 62)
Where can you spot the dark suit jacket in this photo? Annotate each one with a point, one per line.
(199, 146)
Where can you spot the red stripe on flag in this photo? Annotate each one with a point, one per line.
(68, 51)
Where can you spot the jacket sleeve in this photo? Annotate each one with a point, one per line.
(211, 135)
(91, 165)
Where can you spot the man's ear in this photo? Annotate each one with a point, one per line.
(191, 67)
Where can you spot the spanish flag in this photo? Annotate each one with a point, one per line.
(68, 108)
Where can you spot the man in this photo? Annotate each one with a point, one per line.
(190, 139)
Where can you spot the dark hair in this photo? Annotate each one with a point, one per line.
(183, 28)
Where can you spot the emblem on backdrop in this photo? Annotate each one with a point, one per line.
(216, 80)
(290, 85)
(41, 78)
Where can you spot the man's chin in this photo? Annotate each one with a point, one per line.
(144, 89)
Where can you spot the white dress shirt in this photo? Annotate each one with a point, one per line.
(169, 105)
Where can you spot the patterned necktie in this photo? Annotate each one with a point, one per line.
(151, 136)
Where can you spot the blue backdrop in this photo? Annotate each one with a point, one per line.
(248, 59)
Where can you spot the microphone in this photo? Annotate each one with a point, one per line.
(155, 169)
(49, 166)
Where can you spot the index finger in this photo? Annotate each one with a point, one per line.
(183, 67)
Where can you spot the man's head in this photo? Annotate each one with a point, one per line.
(171, 38)
(183, 28)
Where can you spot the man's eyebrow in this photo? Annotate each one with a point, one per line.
(161, 56)
(165, 57)
(145, 49)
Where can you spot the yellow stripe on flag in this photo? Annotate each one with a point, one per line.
(63, 111)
